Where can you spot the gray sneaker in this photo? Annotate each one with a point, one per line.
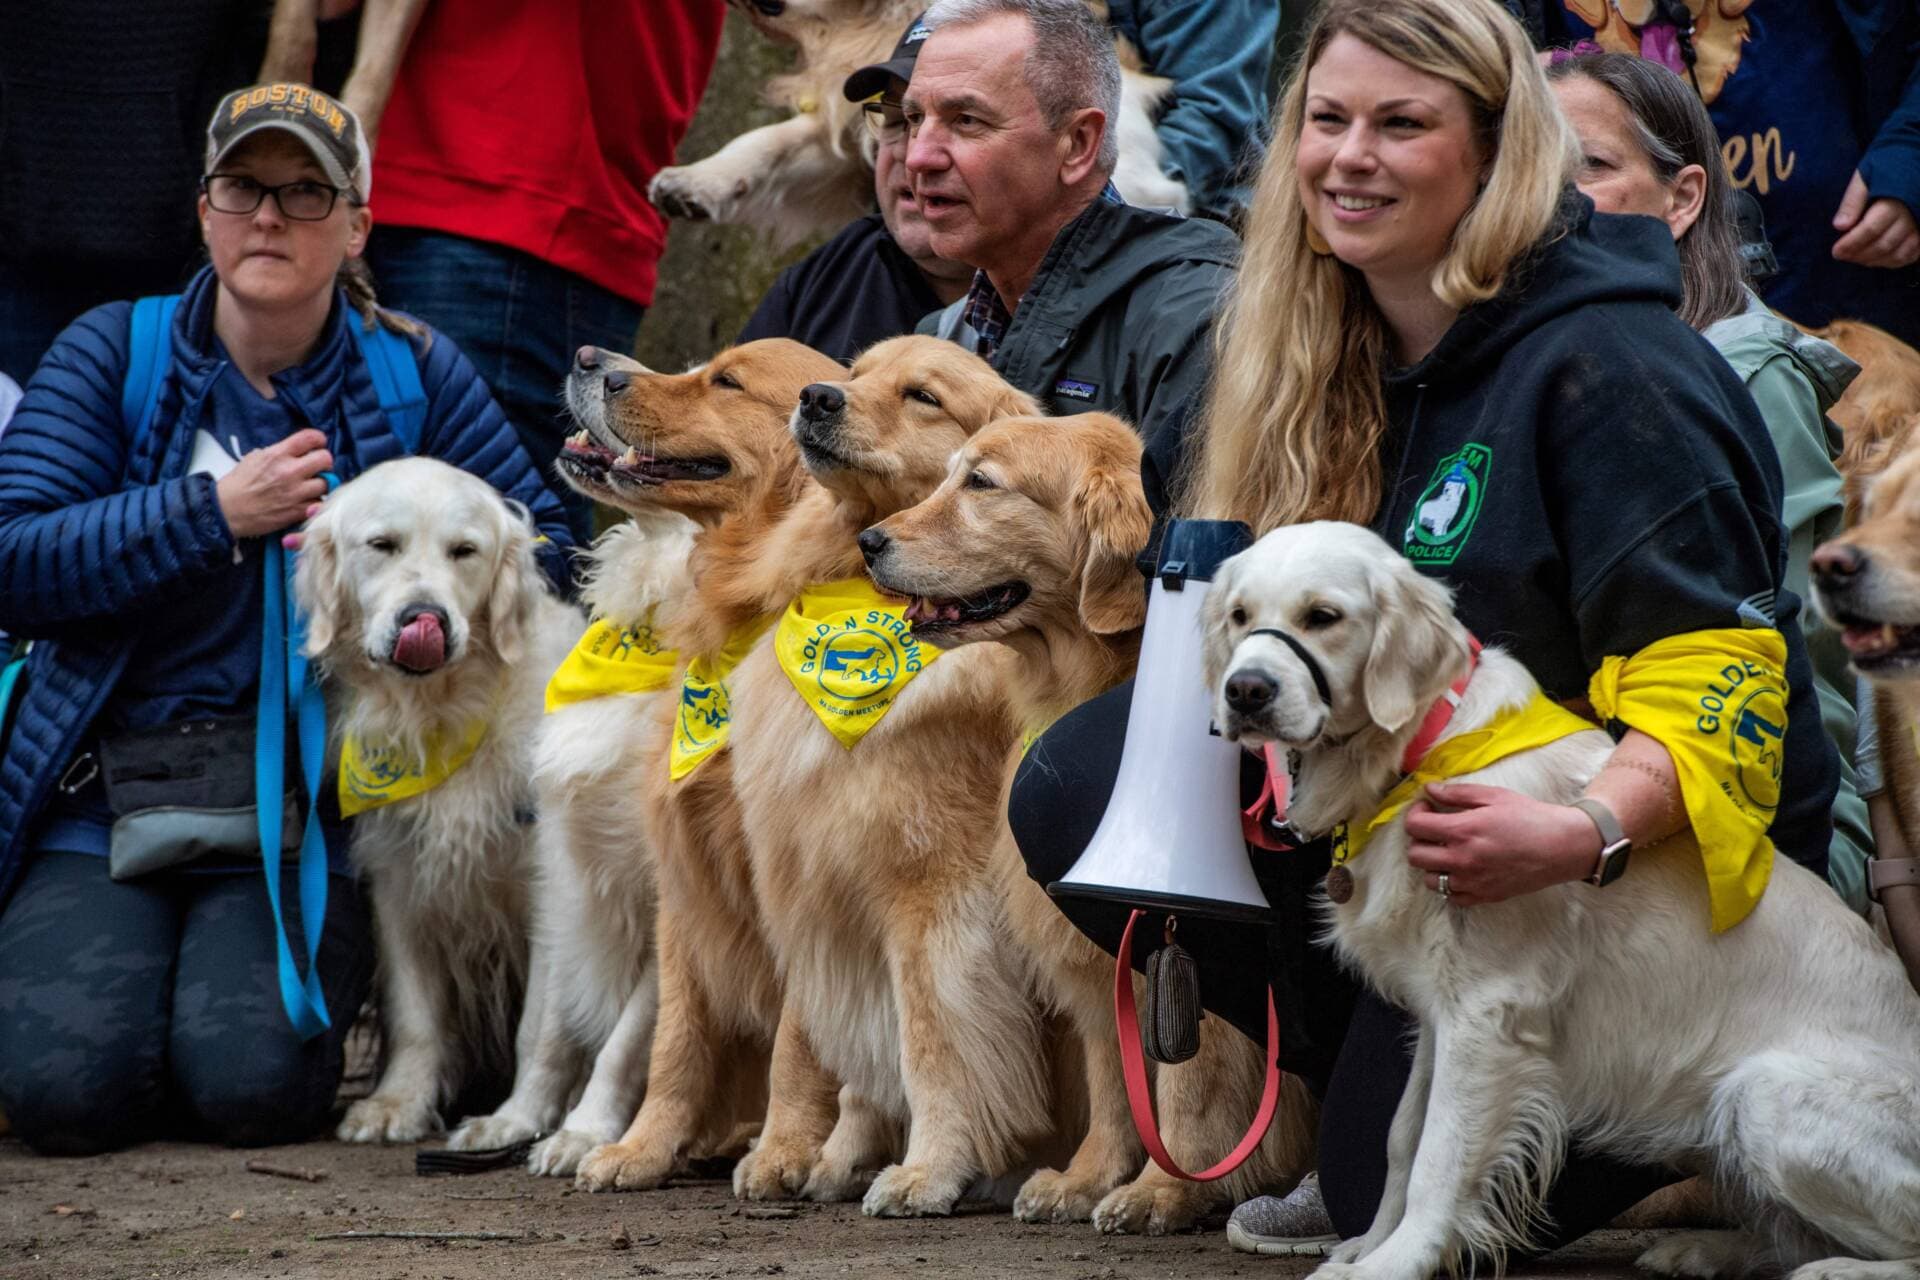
(1295, 1225)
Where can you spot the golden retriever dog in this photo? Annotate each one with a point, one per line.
(1054, 506)
(811, 173)
(682, 456)
(718, 1002)
(1867, 582)
(1881, 404)
(905, 405)
(434, 631)
(591, 991)
(1785, 1067)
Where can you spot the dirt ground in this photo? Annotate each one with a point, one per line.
(172, 1210)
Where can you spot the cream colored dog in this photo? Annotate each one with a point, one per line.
(1780, 1058)
(431, 622)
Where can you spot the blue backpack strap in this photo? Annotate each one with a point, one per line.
(149, 353)
(396, 378)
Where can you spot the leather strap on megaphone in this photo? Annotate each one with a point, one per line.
(1133, 1066)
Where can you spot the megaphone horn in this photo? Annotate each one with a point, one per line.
(1171, 836)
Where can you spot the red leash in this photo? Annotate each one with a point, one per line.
(1133, 1065)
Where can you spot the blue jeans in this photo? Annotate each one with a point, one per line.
(518, 319)
(151, 1008)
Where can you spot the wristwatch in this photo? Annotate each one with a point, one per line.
(1614, 845)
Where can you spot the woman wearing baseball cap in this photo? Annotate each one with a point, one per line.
(160, 453)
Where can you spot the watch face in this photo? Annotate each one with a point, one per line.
(1613, 863)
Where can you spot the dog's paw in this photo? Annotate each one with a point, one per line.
(388, 1119)
(1053, 1196)
(694, 193)
(833, 1181)
(1350, 1250)
(1700, 1255)
(621, 1166)
(1855, 1269)
(1331, 1270)
(912, 1191)
(774, 1171)
(489, 1133)
(559, 1155)
(1150, 1208)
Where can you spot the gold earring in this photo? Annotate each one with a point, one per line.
(1317, 242)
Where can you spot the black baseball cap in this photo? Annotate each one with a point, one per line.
(872, 81)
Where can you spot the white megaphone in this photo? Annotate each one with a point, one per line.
(1171, 838)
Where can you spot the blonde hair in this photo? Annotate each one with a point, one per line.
(1293, 419)
(356, 278)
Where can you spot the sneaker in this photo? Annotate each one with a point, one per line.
(1295, 1225)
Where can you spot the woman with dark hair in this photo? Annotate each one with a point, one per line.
(1648, 147)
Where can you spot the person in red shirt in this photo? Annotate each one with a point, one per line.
(511, 173)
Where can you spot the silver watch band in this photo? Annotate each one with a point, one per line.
(1614, 844)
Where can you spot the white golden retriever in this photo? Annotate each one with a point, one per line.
(1781, 1058)
(593, 989)
(431, 622)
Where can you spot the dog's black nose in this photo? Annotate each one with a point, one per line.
(1837, 562)
(615, 381)
(821, 400)
(872, 543)
(587, 357)
(1250, 689)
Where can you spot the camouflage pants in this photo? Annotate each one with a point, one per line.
(152, 1008)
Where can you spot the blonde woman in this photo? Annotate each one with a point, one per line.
(1433, 333)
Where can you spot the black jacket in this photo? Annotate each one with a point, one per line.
(1118, 316)
(848, 294)
(1590, 476)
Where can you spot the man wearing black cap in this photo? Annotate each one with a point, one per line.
(879, 276)
(1080, 299)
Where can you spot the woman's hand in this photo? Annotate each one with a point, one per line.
(1494, 844)
(1874, 233)
(271, 488)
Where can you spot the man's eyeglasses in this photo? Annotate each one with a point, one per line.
(300, 201)
(886, 121)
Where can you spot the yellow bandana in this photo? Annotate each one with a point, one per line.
(849, 653)
(371, 777)
(1717, 701)
(706, 711)
(1538, 723)
(609, 660)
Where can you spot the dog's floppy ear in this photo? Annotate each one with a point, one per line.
(318, 585)
(1113, 510)
(516, 585)
(1010, 401)
(1415, 638)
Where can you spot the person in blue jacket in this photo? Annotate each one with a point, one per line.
(133, 1005)
(1213, 127)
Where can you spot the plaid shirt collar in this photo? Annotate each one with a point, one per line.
(985, 313)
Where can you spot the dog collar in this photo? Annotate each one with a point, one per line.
(1265, 823)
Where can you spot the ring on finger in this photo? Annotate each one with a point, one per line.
(1445, 887)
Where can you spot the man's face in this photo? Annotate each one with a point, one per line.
(984, 167)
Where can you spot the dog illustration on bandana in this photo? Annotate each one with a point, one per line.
(1642, 27)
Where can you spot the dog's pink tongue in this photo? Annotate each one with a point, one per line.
(1660, 42)
(421, 644)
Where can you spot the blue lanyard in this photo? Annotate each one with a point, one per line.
(287, 688)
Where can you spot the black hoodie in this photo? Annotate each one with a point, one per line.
(1591, 476)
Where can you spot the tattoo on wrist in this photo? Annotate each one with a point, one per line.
(1676, 811)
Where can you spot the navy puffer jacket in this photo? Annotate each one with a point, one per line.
(95, 533)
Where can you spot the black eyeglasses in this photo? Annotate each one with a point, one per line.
(300, 201)
(886, 121)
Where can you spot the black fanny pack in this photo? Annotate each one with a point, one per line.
(185, 791)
